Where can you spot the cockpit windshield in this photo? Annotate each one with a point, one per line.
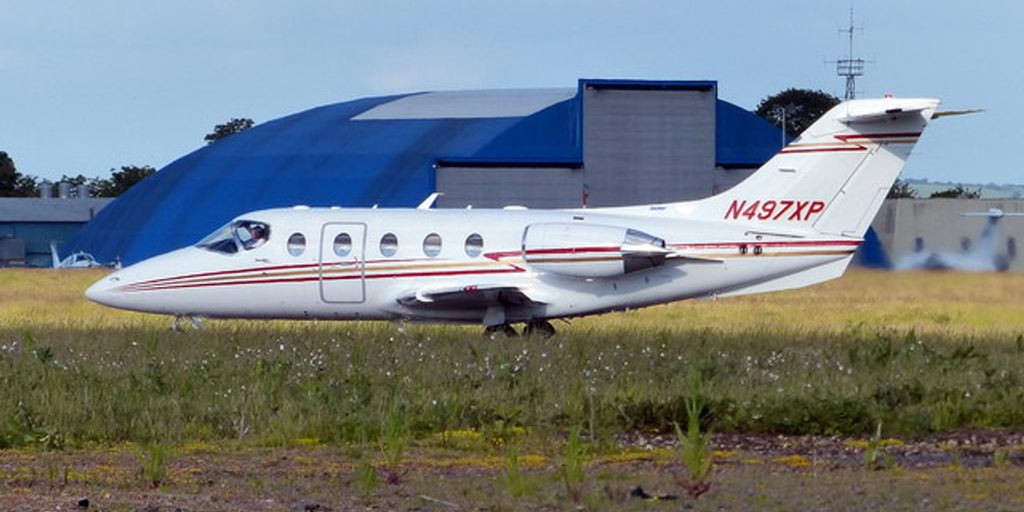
(236, 236)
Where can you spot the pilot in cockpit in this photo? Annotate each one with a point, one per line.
(259, 236)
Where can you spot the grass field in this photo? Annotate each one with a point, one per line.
(916, 354)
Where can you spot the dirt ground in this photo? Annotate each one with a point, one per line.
(977, 470)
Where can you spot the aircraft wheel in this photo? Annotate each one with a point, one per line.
(541, 328)
(506, 330)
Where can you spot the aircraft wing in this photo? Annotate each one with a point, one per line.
(468, 297)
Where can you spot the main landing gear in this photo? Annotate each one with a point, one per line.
(506, 330)
(538, 328)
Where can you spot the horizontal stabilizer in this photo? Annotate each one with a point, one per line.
(883, 110)
(948, 113)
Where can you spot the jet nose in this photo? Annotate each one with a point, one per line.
(105, 291)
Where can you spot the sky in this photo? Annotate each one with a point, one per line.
(90, 86)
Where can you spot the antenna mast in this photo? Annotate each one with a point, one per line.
(850, 67)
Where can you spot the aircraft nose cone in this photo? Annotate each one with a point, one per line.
(102, 291)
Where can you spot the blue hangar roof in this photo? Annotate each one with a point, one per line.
(359, 153)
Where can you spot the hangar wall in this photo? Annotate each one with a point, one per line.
(487, 187)
(648, 145)
(908, 226)
(642, 142)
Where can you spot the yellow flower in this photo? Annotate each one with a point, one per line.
(793, 461)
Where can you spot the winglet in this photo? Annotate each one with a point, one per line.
(429, 201)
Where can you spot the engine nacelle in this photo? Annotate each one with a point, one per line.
(590, 250)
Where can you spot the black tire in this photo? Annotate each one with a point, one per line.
(539, 328)
(506, 330)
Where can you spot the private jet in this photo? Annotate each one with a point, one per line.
(794, 222)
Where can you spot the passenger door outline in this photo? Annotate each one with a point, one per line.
(337, 274)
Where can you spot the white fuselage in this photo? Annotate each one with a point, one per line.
(270, 282)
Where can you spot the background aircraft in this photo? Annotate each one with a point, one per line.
(984, 257)
(75, 260)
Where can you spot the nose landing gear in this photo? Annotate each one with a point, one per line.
(195, 321)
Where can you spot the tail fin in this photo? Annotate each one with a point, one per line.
(54, 255)
(834, 177)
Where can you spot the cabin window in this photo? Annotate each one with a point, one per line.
(342, 244)
(389, 245)
(918, 244)
(432, 245)
(474, 245)
(296, 244)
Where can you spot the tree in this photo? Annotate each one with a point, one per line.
(8, 176)
(74, 180)
(120, 181)
(957, 192)
(901, 190)
(802, 108)
(221, 131)
(14, 183)
(26, 186)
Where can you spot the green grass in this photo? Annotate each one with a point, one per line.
(918, 352)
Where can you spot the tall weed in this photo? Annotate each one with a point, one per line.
(695, 445)
(573, 471)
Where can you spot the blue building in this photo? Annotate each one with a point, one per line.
(602, 143)
(28, 225)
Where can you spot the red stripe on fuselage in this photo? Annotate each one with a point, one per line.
(168, 283)
(794, 243)
(573, 250)
(269, 269)
(173, 286)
